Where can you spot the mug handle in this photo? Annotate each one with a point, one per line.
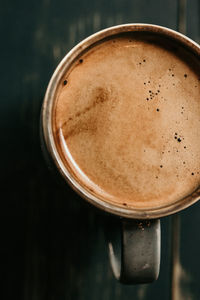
(137, 258)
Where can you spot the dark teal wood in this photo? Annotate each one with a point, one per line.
(193, 20)
(53, 244)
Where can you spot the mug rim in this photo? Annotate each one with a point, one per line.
(147, 213)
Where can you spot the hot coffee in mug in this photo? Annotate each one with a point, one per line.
(121, 120)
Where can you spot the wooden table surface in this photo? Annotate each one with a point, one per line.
(53, 245)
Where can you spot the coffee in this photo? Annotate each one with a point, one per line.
(126, 121)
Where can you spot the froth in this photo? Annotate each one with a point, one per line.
(127, 123)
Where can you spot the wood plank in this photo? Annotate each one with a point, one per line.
(193, 20)
(189, 273)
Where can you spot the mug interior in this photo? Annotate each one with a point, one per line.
(47, 115)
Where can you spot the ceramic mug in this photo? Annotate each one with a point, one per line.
(138, 258)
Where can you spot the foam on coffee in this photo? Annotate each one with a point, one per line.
(127, 122)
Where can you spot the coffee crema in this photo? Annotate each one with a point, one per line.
(126, 121)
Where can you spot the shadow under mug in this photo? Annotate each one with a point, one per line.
(136, 258)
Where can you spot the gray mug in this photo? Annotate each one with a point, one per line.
(137, 259)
